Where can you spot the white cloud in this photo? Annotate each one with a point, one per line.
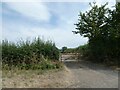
(58, 35)
(61, 34)
(34, 10)
(46, 0)
(110, 5)
(0, 22)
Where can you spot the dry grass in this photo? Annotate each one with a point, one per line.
(36, 79)
(0, 79)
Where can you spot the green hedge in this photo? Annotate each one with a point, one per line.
(28, 52)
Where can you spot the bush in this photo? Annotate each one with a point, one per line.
(26, 54)
(83, 50)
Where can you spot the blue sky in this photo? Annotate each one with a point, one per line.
(49, 20)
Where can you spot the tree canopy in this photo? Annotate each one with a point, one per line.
(102, 27)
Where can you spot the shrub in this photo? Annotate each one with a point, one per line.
(83, 50)
(29, 54)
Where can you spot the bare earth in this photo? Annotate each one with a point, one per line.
(32, 79)
(76, 74)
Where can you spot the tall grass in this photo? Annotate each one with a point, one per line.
(36, 54)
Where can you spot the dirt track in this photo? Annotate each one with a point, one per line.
(89, 75)
(77, 74)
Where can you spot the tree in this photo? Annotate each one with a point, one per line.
(64, 49)
(92, 24)
(114, 35)
(102, 27)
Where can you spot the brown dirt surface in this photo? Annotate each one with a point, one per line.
(76, 74)
(36, 79)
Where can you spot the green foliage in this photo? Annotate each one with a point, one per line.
(70, 50)
(45, 65)
(102, 27)
(63, 49)
(27, 54)
(83, 50)
(90, 24)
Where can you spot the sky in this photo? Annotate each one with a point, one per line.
(48, 20)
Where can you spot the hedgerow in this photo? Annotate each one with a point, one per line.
(36, 54)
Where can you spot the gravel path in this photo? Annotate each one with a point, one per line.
(89, 75)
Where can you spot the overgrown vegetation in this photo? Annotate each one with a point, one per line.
(102, 27)
(36, 54)
(83, 50)
(68, 50)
